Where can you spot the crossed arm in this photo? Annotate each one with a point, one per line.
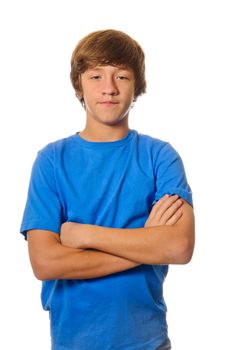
(89, 251)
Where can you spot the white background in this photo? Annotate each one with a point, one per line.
(188, 102)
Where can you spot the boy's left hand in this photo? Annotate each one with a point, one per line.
(167, 211)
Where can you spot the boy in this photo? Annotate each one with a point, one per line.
(94, 238)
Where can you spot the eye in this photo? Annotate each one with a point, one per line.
(122, 77)
(95, 77)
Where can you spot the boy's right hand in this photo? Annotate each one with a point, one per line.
(167, 211)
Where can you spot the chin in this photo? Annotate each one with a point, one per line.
(113, 122)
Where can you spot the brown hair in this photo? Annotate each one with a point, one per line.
(108, 47)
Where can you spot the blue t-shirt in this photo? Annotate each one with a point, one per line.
(111, 184)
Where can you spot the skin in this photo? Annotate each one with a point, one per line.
(51, 259)
(108, 94)
(160, 244)
(89, 251)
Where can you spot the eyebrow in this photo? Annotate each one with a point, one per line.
(99, 68)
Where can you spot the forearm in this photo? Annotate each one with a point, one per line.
(152, 245)
(51, 260)
(87, 264)
(164, 244)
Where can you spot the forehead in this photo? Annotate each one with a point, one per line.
(109, 68)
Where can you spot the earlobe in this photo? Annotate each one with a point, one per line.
(78, 90)
(79, 96)
(133, 103)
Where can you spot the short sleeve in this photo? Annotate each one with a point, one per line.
(43, 209)
(170, 176)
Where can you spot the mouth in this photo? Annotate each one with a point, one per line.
(108, 103)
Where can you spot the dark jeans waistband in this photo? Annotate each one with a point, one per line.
(165, 346)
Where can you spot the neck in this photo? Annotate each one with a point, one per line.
(104, 133)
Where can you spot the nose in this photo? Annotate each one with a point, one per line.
(110, 87)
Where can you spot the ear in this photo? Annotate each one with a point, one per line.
(80, 98)
(133, 102)
(78, 88)
(79, 95)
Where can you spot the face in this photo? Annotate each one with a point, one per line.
(108, 93)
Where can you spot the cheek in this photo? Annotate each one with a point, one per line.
(132, 92)
(90, 93)
(80, 87)
(130, 96)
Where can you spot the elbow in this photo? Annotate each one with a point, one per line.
(184, 257)
(184, 251)
(42, 270)
(41, 275)
(183, 238)
(44, 254)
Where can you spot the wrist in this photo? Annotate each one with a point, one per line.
(88, 236)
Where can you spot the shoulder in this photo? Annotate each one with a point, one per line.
(157, 146)
(160, 151)
(153, 143)
(57, 146)
(48, 156)
(150, 140)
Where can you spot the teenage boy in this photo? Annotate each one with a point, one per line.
(107, 210)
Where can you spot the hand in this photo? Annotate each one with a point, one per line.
(71, 234)
(167, 211)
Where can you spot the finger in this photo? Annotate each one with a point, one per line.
(175, 217)
(156, 212)
(160, 202)
(170, 211)
(165, 205)
(162, 210)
